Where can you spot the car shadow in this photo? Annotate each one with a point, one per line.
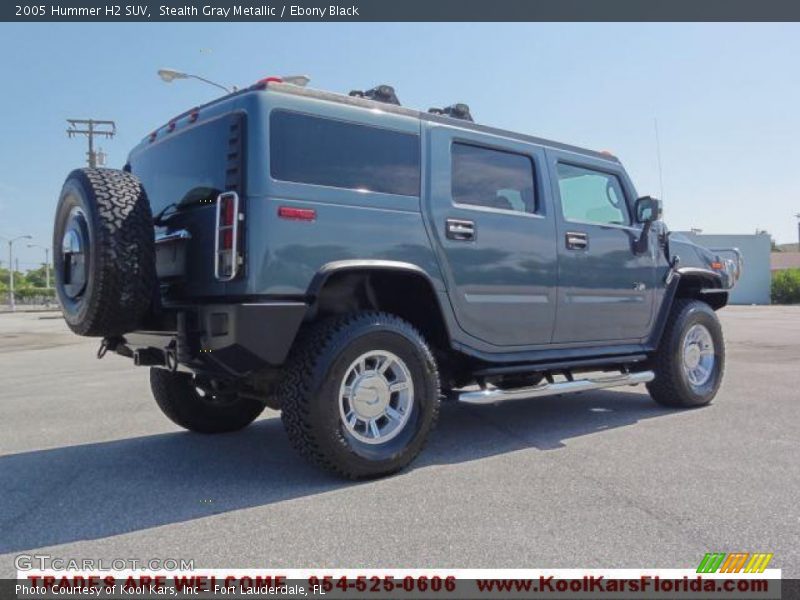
(98, 490)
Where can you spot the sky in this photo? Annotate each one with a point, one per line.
(726, 98)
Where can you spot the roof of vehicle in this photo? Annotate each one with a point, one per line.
(273, 86)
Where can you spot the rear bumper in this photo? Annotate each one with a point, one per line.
(226, 339)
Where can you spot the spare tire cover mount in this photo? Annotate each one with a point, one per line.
(75, 253)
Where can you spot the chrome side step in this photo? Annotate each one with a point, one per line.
(490, 395)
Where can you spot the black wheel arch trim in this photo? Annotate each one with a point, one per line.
(711, 279)
(386, 266)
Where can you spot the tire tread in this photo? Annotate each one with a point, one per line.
(124, 276)
(179, 401)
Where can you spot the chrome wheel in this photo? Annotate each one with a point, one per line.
(376, 397)
(698, 355)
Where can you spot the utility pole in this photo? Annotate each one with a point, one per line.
(91, 128)
(798, 231)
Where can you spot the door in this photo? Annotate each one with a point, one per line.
(606, 288)
(489, 213)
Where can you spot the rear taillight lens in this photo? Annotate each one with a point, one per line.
(227, 216)
(226, 241)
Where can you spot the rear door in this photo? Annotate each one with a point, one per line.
(487, 207)
(605, 288)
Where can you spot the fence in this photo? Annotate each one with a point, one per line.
(28, 297)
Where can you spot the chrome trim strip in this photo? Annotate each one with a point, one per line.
(492, 395)
(507, 298)
(601, 299)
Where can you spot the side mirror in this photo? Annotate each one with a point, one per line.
(647, 209)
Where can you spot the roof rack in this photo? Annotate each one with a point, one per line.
(381, 93)
(455, 111)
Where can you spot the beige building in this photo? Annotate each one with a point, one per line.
(778, 261)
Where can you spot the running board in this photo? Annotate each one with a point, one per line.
(492, 395)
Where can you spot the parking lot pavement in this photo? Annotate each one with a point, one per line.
(91, 469)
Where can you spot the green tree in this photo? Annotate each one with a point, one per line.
(786, 286)
(37, 277)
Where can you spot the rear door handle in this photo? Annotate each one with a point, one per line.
(577, 240)
(460, 230)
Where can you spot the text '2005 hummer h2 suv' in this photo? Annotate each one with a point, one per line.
(351, 262)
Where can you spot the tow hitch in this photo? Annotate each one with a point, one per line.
(115, 344)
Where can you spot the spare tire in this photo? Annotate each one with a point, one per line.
(103, 252)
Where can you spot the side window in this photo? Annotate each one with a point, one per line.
(308, 149)
(492, 178)
(593, 196)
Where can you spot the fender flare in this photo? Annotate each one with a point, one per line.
(337, 266)
(385, 266)
(707, 276)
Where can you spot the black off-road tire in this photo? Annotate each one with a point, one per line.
(310, 389)
(179, 399)
(671, 386)
(116, 225)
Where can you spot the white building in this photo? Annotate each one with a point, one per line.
(754, 285)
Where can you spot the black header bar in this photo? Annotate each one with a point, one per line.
(401, 10)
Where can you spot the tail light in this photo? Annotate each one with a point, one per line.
(226, 237)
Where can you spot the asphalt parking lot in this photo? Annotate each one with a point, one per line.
(91, 469)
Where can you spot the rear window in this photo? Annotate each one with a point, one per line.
(185, 167)
(319, 151)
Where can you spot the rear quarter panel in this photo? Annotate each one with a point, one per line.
(283, 256)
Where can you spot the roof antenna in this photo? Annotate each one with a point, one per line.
(658, 157)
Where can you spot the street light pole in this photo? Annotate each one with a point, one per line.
(12, 304)
(170, 75)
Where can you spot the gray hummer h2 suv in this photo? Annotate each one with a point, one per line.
(352, 262)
